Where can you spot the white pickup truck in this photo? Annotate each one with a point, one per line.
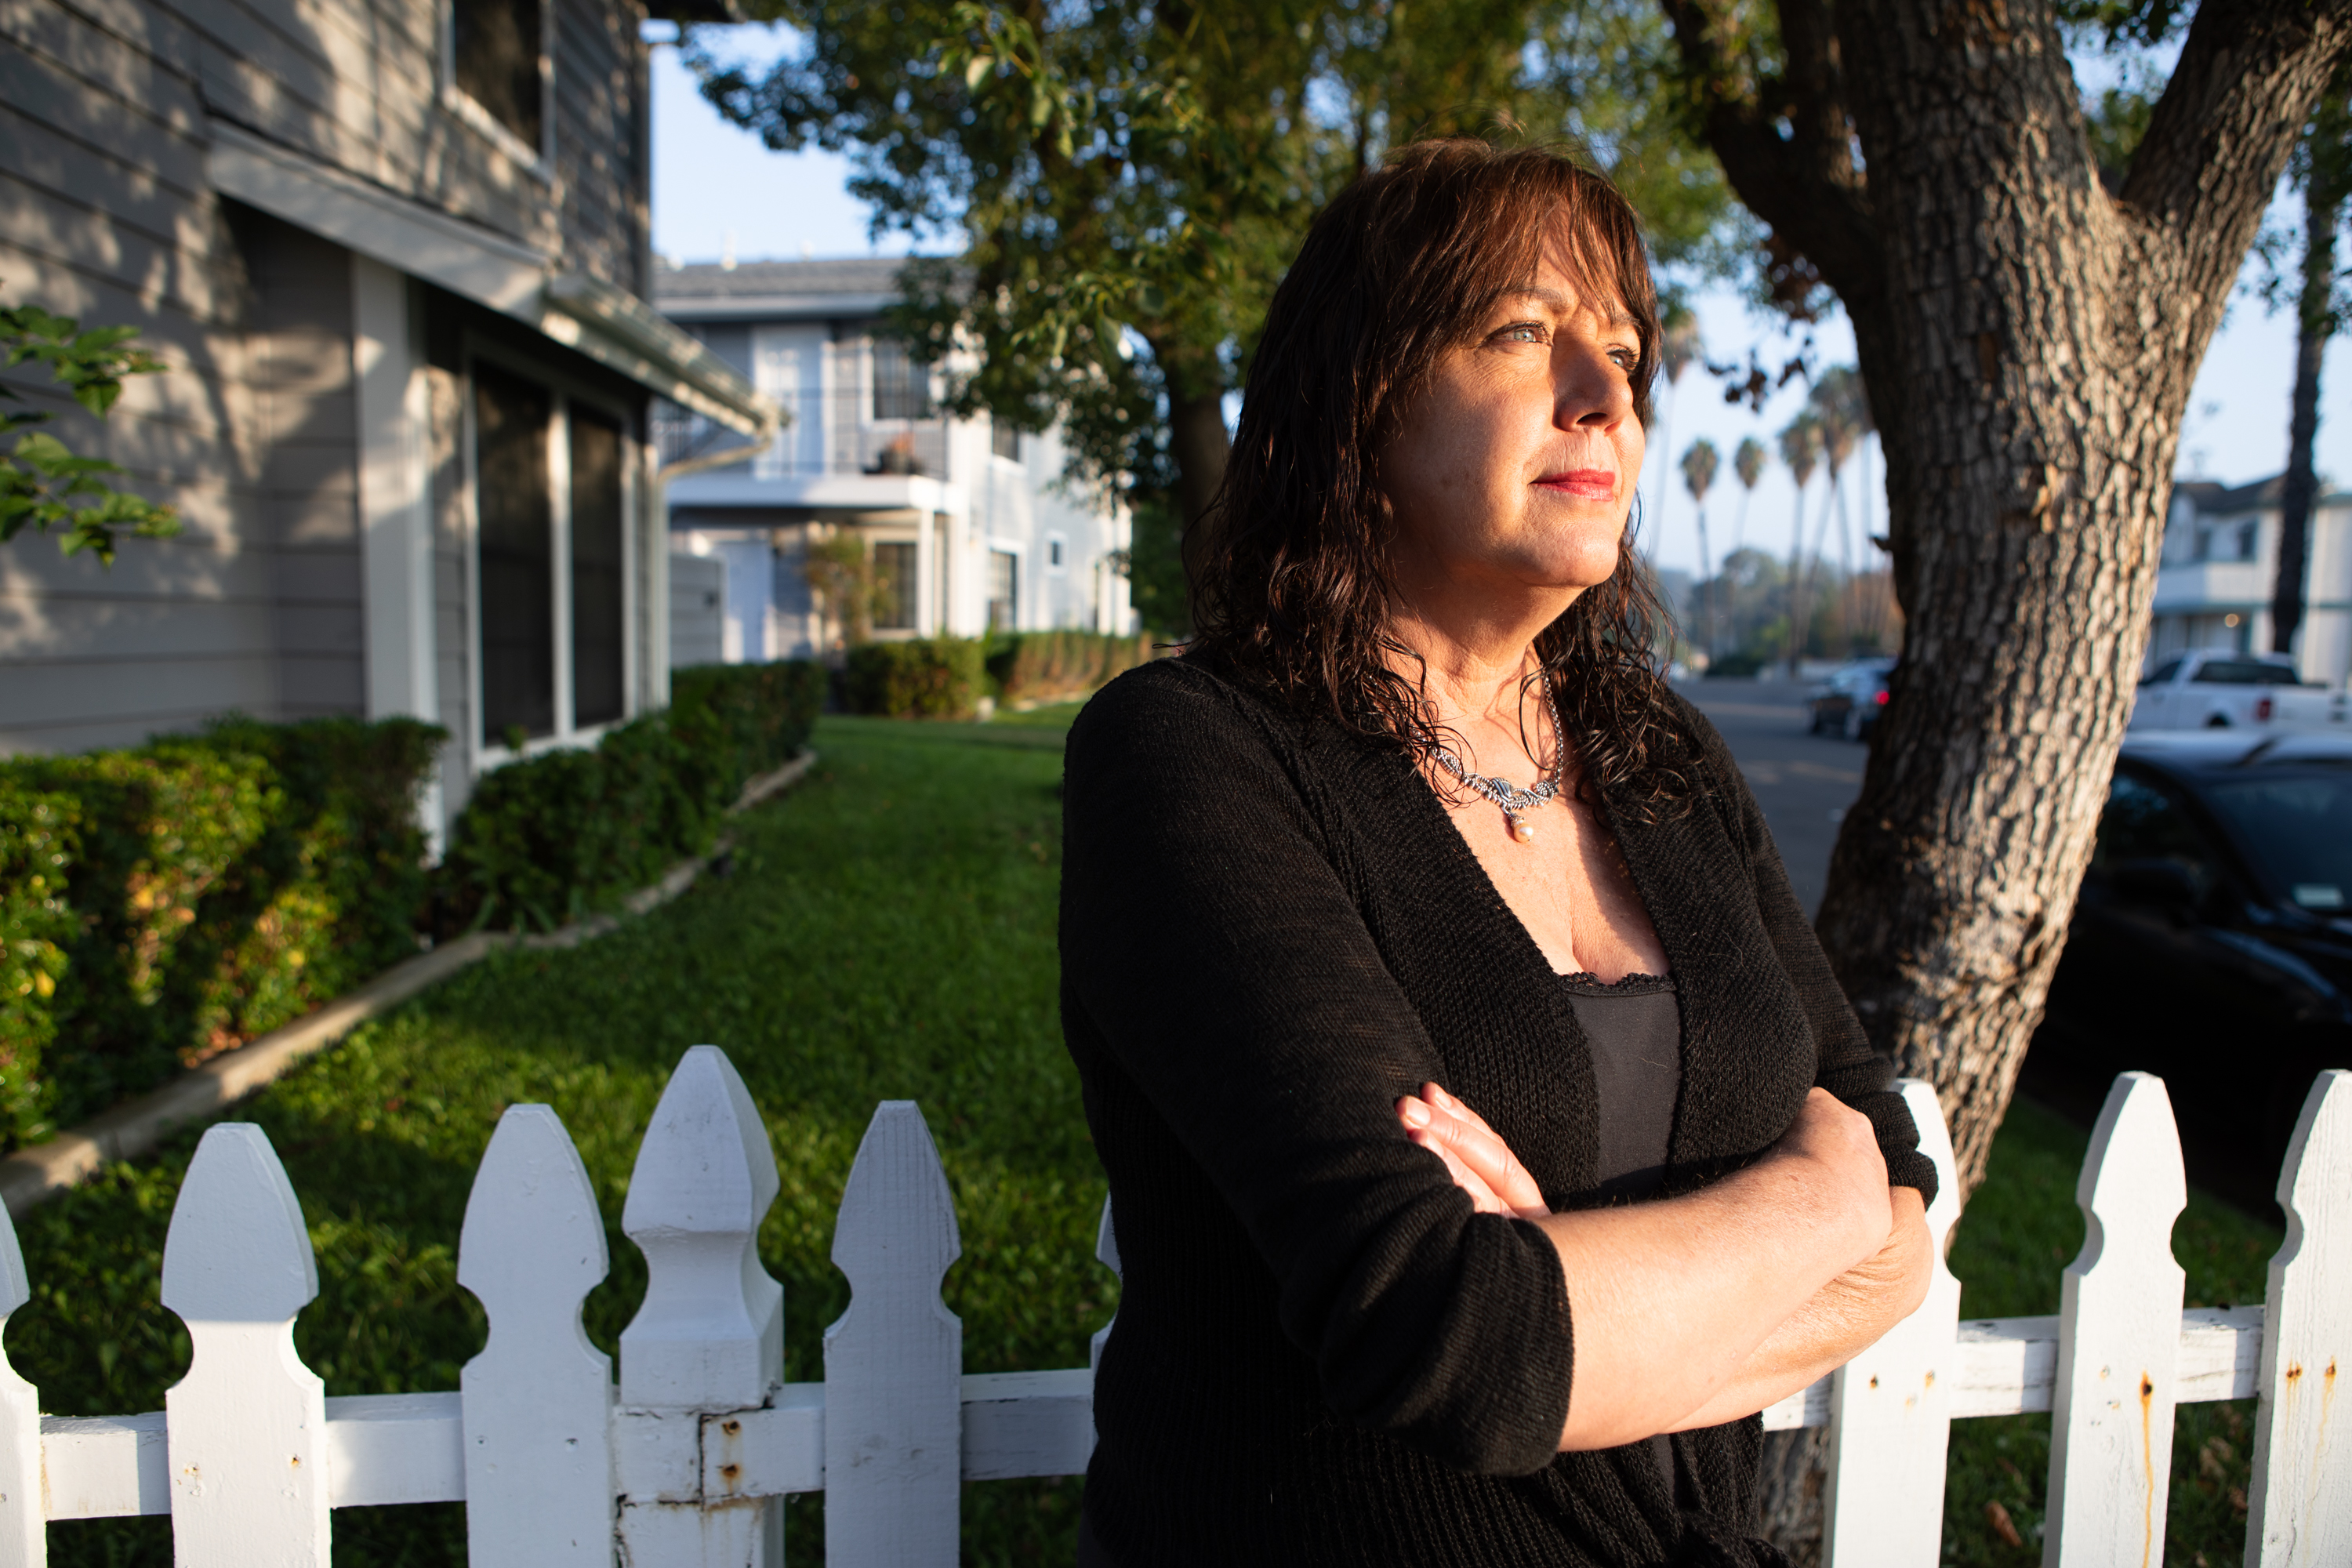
(2212, 688)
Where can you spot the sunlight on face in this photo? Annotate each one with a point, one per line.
(1513, 469)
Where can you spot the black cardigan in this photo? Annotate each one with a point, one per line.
(1270, 930)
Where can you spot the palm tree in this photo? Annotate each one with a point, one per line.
(1699, 461)
(1747, 462)
(1678, 345)
(1801, 448)
(1837, 398)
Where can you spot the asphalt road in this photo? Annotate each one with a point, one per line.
(1804, 783)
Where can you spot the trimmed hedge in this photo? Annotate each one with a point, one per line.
(923, 678)
(162, 904)
(1036, 666)
(165, 903)
(550, 838)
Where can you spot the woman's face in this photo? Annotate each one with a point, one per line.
(1513, 469)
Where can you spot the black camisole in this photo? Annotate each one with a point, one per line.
(1634, 1029)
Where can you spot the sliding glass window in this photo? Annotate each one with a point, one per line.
(511, 420)
(551, 503)
(598, 567)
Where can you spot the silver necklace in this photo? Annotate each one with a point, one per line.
(1516, 802)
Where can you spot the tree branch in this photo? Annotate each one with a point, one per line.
(2247, 78)
(1802, 182)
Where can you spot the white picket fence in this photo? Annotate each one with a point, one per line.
(682, 1464)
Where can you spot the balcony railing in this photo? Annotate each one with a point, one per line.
(831, 432)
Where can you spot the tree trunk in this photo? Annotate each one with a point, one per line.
(1198, 440)
(2315, 322)
(2028, 342)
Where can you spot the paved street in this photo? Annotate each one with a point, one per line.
(1804, 783)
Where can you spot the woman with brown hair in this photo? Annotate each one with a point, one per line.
(1488, 1140)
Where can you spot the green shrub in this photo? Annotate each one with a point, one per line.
(1038, 667)
(162, 904)
(547, 839)
(923, 677)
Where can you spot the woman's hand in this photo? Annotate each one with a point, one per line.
(1482, 1163)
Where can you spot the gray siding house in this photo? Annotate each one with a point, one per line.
(969, 521)
(395, 253)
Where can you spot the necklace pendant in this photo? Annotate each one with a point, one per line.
(1520, 829)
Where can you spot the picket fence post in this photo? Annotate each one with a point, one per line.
(23, 1530)
(1891, 1407)
(247, 1426)
(2118, 1340)
(2300, 1510)
(538, 1400)
(710, 1338)
(1105, 1253)
(894, 1361)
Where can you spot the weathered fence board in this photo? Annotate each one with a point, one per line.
(23, 1542)
(683, 1464)
(2119, 1341)
(538, 1401)
(2301, 1502)
(710, 1337)
(1891, 1407)
(894, 1362)
(247, 1426)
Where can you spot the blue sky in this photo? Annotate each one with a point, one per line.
(716, 188)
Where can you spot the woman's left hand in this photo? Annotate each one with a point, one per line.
(1482, 1163)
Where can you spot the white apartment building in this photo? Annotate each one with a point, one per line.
(969, 519)
(2220, 566)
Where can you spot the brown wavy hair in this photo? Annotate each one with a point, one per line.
(1290, 578)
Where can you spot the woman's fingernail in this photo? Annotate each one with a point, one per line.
(1414, 1113)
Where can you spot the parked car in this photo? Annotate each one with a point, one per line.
(2219, 689)
(2213, 942)
(1848, 700)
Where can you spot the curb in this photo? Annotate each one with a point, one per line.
(30, 1176)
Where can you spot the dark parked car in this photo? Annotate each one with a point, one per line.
(1848, 703)
(2212, 943)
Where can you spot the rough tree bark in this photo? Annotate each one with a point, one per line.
(2029, 342)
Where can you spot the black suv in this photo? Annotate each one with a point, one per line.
(2212, 943)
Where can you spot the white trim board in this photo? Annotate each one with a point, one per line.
(605, 323)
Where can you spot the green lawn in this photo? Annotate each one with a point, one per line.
(887, 932)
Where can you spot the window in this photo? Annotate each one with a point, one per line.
(2245, 542)
(2144, 825)
(498, 58)
(517, 516)
(1003, 439)
(894, 586)
(597, 567)
(902, 389)
(1003, 590)
(550, 499)
(1053, 551)
(2244, 672)
(2161, 673)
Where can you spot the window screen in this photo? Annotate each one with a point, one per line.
(1003, 440)
(596, 570)
(518, 559)
(496, 48)
(894, 583)
(902, 389)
